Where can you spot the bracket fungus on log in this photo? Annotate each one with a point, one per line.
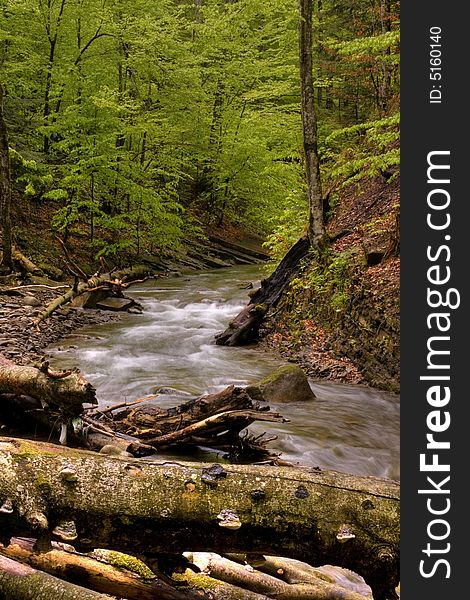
(117, 503)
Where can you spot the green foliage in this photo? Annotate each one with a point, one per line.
(362, 150)
(147, 122)
(376, 47)
(330, 278)
(32, 178)
(287, 228)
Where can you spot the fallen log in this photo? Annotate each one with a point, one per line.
(231, 572)
(142, 507)
(94, 574)
(220, 590)
(244, 328)
(233, 421)
(113, 284)
(21, 582)
(63, 391)
(25, 263)
(293, 571)
(213, 420)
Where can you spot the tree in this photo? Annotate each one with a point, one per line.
(316, 225)
(5, 190)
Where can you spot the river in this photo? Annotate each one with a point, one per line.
(348, 428)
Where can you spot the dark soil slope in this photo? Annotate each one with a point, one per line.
(342, 322)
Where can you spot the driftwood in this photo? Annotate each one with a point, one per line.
(272, 586)
(64, 562)
(112, 283)
(32, 398)
(21, 582)
(141, 507)
(120, 575)
(220, 590)
(244, 328)
(213, 420)
(292, 571)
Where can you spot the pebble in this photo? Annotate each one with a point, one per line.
(23, 342)
(31, 301)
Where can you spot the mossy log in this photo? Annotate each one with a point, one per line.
(142, 507)
(115, 577)
(21, 582)
(226, 570)
(25, 263)
(244, 328)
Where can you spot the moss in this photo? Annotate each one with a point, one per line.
(125, 561)
(196, 580)
(284, 370)
(44, 484)
(26, 452)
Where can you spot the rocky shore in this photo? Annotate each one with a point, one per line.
(21, 340)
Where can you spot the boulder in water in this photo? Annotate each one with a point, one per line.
(286, 384)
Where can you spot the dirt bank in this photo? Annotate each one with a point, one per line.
(342, 321)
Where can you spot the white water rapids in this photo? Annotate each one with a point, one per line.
(348, 428)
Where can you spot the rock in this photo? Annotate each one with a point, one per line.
(30, 301)
(115, 303)
(170, 391)
(286, 384)
(111, 450)
(89, 299)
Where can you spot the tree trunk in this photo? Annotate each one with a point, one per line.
(245, 326)
(385, 82)
(6, 265)
(316, 227)
(63, 391)
(141, 507)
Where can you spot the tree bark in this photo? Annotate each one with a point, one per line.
(113, 283)
(141, 507)
(316, 226)
(6, 265)
(213, 420)
(231, 572)
(25, 263)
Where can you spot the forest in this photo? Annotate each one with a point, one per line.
(223, 173)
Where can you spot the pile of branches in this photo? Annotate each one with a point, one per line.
(63, 406)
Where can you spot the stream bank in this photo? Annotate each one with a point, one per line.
(169, 349)
(24, 294)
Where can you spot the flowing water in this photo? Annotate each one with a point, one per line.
(348, 428)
